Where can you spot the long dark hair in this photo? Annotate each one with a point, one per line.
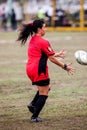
(28, 30)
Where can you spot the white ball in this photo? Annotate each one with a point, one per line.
(81, 57)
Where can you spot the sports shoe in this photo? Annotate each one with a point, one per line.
(31, 107)
(36, 119)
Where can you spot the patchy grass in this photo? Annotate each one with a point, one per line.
(66, 107)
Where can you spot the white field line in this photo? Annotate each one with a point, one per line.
(7, 41)
(55, 38)
(59, 38)
(13, 62)
(10, 41)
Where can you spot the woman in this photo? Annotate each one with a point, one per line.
(39, 51)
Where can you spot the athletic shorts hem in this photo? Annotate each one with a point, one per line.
(42, 82)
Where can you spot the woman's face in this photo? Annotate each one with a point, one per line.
(43, 30)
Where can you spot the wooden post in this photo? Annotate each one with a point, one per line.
(26, 11)
(82, 13)
(54, 7)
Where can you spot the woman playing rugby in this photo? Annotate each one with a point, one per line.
(39, 51)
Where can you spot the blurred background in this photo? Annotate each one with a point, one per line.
(66, 108)
(59, 14)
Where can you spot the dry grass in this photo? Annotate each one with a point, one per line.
(66, 107)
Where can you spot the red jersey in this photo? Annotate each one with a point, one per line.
(39, 50)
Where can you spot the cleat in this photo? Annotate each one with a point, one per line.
(36, 119)
(30, 108)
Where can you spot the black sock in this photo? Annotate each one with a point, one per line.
(35, 98)
(39, 105)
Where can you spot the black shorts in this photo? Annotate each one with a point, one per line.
(42, 82)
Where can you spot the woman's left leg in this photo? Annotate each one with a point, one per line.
(31, 105)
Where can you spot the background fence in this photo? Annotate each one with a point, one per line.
(59, 14)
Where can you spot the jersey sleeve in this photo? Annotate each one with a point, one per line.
(46, 47)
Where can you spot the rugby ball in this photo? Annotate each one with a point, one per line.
(81, 57)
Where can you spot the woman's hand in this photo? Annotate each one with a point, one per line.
(70, 69)
(66, 67)
(61, 54)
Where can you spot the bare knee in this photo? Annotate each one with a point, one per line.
(43, 90)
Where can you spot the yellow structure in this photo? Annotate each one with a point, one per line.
(82, 14)
(80, 28)
(25, 8)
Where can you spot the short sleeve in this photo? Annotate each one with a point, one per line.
(46, 47)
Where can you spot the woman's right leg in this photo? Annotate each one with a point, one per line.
(43, 94)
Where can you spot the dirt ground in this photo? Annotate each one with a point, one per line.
(66, 107)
